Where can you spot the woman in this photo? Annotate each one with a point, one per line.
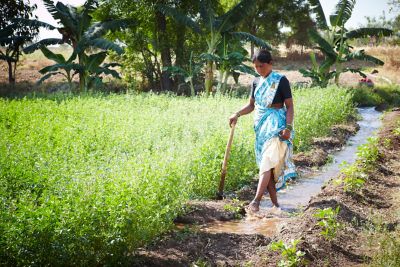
(271, 98)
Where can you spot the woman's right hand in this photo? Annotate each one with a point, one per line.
(233, 119)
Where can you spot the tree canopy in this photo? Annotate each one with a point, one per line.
(14, 34)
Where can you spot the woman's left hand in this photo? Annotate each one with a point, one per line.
(285, 134)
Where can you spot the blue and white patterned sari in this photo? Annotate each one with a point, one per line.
(271, 151)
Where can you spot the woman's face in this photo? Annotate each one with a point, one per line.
(262, 68)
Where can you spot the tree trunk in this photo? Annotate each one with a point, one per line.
(149, 71)
(11, 78)
(180, 42)
(209, 77)
(82, 74)
(220, 81)
(180, 60)
(225, 84)
(192, 92)
(81, 82)
(161, 28)
(338, 72)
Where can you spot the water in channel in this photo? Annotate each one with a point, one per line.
(299, 193)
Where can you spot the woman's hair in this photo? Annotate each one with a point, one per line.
(262, 55)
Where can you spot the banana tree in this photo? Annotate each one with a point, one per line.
(229, 58)
(63, 67)
(334, 43)
(188, 74)
(214, 27)
(82, 33)
(93, 67)
(231, 65)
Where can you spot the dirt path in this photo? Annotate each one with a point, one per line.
(368, 209)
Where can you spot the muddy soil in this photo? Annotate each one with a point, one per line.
(201, 212)
(188, 245)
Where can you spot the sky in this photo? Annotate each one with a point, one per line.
(43, 15)
(363, 8)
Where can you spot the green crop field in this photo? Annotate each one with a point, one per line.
(86, 180)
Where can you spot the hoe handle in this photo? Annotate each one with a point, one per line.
(225, 163)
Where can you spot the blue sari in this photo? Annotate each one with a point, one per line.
(271, 151)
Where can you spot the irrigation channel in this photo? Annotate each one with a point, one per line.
(291, 199)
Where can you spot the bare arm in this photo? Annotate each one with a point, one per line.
(248, 108)
(285, 134)
(290, 111)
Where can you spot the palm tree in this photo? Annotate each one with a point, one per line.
(215, 27)
(334, 42)
(82, 33)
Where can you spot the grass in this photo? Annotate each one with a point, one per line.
(86, 180)
(316, 110)
(389, 251)
(379, 95)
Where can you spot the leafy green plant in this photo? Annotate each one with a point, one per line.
(397, 131)
(200, 263)
(236, 207)
(291, 257)
(354, 177)
(69, 68)
(327, 220)
(368, 153)
(387, 142)
(334, 43)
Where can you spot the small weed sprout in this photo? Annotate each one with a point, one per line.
(200, 263)
(235, 207)
(368, 153)
(291, 257)
(327, 219)
(396, 131)
(387, 142)
(354, 178)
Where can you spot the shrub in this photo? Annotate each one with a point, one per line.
(327, 220)
(291, 257)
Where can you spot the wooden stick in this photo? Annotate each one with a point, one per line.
(225, 163)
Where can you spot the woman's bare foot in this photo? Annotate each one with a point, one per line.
(254, 206)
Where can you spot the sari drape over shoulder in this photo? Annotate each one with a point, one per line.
(271, 151)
